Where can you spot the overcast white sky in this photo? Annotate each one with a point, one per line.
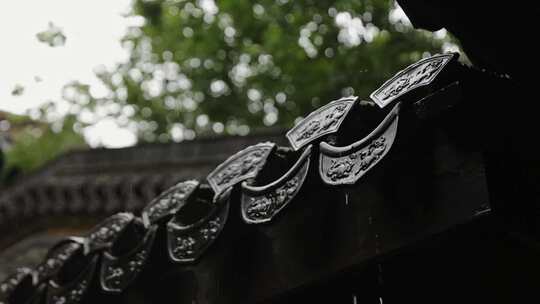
(93, 29)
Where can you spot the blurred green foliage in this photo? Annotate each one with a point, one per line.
(232, 66)
(29, 143)
(33, 150)
(52, 36)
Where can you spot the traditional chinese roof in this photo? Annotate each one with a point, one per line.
(355, 208)
(95, 183)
